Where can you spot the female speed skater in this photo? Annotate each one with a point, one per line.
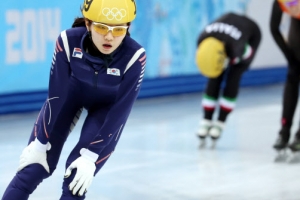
(96, 66)
(290, 48)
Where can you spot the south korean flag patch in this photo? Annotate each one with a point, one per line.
(113, 71)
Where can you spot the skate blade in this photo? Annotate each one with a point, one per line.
(213, 143)
(282, 156)
(202, 143)
(294, 158)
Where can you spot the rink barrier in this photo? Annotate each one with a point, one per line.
(32, 101)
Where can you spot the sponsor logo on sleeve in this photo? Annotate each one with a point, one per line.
(77, 53)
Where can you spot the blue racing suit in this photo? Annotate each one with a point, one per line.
(106, 88)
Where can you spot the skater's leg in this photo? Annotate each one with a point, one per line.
(234, 75)
(291, 88)
(291, 92)
(27, 180)
(92, 124)
(103, 157)
(209, 101)
(231, 89)
(228, 100)
(290, 99)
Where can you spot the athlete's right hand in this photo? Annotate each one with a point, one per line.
(35, 152)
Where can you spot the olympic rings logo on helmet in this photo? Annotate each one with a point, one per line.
(114, 13)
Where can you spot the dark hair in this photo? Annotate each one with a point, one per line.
(80, 22)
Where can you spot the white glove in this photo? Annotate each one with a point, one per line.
(35, 152)
(86, 167)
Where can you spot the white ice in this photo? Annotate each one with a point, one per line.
(158, 157)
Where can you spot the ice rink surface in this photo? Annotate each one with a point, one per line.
(158, 156)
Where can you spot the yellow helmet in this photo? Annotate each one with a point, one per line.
(109, 11)
(211, 57)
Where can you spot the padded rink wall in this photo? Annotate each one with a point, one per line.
(167, 29)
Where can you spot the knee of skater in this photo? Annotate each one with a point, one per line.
(41, 170)
(27, 180)
(35, 173)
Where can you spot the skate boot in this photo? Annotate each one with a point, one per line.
(281, 144)
(295, 148)
(202, 132)
(215, 132)
(295, 145)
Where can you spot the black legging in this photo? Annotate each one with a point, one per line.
(232, 76)
(233, 73)
(291, 89)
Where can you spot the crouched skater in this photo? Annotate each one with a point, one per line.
(226, 48)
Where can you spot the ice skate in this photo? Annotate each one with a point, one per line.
(282, 156)
(295, 149)
(202, 132)
(215, 132)
(294, 157)
(280, 146)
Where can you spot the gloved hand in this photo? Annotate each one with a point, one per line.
(86, 167)
(35, 152)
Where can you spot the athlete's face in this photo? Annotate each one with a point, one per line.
(106, 42)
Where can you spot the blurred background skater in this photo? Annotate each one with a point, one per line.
(226, 48)
(97, 66)
(290, 48)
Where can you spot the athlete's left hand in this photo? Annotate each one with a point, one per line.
(86, 167)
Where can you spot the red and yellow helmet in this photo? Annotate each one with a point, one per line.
(109, 11)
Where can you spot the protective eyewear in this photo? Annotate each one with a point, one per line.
(103, 29)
